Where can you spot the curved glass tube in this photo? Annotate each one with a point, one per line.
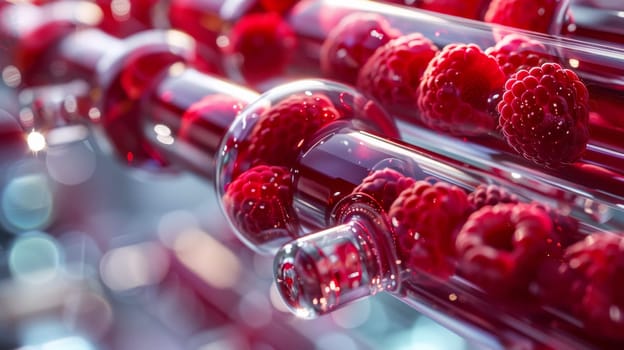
(296, 160)
(596, 65)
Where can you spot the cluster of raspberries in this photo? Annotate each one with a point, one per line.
(516, 89)
(512, 250)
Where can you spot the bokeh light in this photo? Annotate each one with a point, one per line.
(36, 141)
(335, 340)
(208, 258)
(27, 203)
(354, 315)
(72, 163)
(134, 266)
(35, 257)
(254, 309)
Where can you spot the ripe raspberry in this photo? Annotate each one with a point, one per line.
(515, 52)
(544, 115)
(261, 45)
(594, 269)
(463, 8)
(425, 217)
(282, 130)
(534, 15)
(565, 230)
(392, 74)
(204, 115)
(279, 6)
(258, 203)
(351, 43)
(384, 185)
(490, 195)
(458, 89)
(501, 246)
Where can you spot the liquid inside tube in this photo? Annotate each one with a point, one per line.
(464, 238)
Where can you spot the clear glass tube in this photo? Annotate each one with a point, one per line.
(296, 162)
(597, 66)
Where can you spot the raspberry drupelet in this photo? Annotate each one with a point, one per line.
(425, 218)
(349, 45)
(544, 115)
(499, 247)
(259, 202)
(384, 185)
(392, 74)
(458, 90)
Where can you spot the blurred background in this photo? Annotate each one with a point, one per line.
(94, 256)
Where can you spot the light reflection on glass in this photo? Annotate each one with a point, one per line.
(35, 257)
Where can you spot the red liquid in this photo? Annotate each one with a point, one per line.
(602, 165)
(197, 110)
(330, 170)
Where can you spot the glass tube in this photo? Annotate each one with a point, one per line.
(340, 137)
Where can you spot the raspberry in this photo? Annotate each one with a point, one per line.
(279, 6)
(351, 43)
(457, 90)
(393, 72)
(515, 52)
(534, 15)
(282, 130)
(261, 45)
(425, 216)
(594, 269)
(216, 109)
(384, 185)
(490, 195)
(544, 115)
(565, 230)
(259, 201)
(462, 8)
(501, 246)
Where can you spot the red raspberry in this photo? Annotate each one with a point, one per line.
(534, 15)
(594, 270)
(501, 246)
(259, 201)
(463, 8)
(425, 216)
(352, 42)
(282, 130)
(202, 116)
(490, 195)
(279, 6)
(384, 185)
(392, 74)
(457, 90)
(515, 52)
(565, 230)
(261, 45)
(544, 114)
